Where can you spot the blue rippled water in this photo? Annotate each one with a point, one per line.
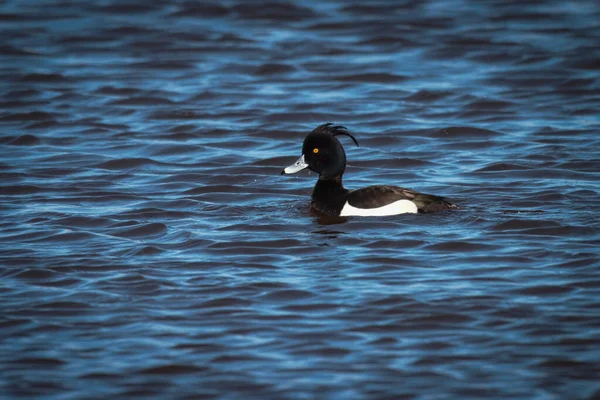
(150, 248)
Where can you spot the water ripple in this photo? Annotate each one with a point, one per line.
(149, 246)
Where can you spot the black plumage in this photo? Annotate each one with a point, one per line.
(379, 196)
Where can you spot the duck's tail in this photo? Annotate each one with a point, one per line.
(430, 204)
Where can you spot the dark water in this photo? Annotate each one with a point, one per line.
(150, 248)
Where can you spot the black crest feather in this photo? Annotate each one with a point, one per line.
(336, 130)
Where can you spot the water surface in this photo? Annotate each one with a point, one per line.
(150, 248)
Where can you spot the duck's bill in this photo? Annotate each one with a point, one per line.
(295, 167)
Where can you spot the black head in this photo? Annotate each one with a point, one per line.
(322, 152)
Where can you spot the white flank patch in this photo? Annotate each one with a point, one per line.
(397, 207)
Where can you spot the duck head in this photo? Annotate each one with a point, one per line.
(322, 152)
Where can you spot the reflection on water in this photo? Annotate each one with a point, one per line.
(149, 246)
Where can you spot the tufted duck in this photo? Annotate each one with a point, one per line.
(323, 153)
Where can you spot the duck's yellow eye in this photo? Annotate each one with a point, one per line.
(315, 150)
